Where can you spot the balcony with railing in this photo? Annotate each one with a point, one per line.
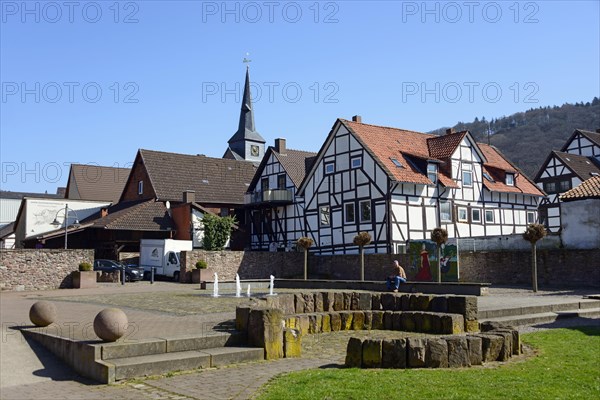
(270, 197)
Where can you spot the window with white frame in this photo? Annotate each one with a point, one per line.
(489, 216)
(365, 211)
(475, 215)
(510, 179)
(432, 172)
(530, 217)
(356, 162)
(140, 187)
(445, 211)
(463, 216)
(467, 175)
(329, 168)
(324, 215)
(349, 216)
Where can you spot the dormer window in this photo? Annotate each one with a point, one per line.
(432, 171)
(510, 179)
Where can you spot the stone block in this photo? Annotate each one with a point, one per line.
(364, 301)
(299, 303)
(471, 326)
(303, 324)
(286, 302)
(371, 353)
(475, 354)
(325, 322)
(398, 302)
(338, 303)
(265, 329)
(347, 301)
(491, 345)
(315, 323)
(436, 355)
(377, 321)
(241, 318)
(388, 301)
(368, 320)
(292, 343)
(405, 302)
(388, 323)
(376, 301)
(141, 347)
(422, 302)
(439, 304)
(488, 326)
(463, 305)
(358, 320)
(354, 301)
(397, 321)
(516, 339)
(452, 324)
(291, 322)
(393, 353)
(354, 353)
(407, 321)
(506, 351)
(318, 300)
(223, 356)
(309, 303)
(328, 301)
(346, 320)
(416, 352)
(336, 321)
(458, 352)
(425, 322)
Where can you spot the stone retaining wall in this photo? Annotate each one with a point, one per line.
(569, 268)
(496, 344)
(29, 269)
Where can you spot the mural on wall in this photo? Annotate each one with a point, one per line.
(423, 261)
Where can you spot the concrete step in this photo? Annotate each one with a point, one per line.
(545, 317)
(157, 364)
(538, 309)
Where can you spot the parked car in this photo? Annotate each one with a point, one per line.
(132, 272)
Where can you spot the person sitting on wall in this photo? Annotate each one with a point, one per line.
(393, 281)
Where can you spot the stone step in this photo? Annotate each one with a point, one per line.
(537, 309)
(545, 317)
(157, 364)
(152, 346)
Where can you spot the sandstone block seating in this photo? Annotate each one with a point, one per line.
(327, 311)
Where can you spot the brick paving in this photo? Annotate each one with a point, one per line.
(31, 372)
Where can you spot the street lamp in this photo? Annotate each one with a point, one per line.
(66, 211)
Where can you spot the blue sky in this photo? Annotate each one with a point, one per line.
(92, 82)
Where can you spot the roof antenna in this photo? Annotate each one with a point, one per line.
(247, 61)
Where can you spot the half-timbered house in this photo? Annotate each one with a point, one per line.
(577, 161)
(399, 185)
(276, 216)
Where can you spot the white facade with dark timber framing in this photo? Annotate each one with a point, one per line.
(399, 185)
(276, 215)
(578, 160)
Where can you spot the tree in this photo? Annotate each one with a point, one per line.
(305, 243)
(216, 231)
(361, 240)
(439, 236)
(532, 234)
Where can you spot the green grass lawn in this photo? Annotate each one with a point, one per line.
(566, 366)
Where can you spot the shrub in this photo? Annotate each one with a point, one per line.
(201, 264)
(216, 231)
(85, 266)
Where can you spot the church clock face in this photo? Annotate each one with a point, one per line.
(254, 150)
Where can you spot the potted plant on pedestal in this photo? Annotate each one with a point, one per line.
(201, 273)
(85, 277)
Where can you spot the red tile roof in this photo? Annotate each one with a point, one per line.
(385, 143)
(588, 189)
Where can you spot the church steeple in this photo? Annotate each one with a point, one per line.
(246, 143)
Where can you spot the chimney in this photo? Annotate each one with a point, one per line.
(449, 131)
(280, 146)
(189, 196)
(103, 212)
(357, 118)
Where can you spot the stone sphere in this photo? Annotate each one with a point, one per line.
(42, 313)
(110, 324)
